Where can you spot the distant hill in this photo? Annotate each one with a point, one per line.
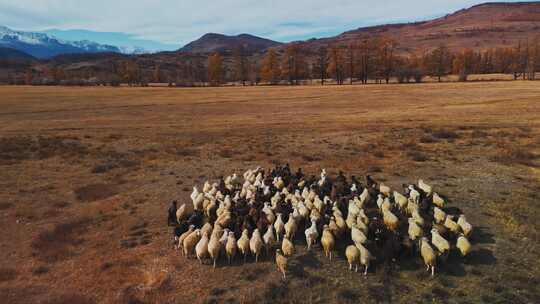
(12, 54)
(44, 46)
(479, 27)
(222, 43)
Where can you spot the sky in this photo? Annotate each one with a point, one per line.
(170, 24)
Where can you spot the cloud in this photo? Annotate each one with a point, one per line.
(178, 22)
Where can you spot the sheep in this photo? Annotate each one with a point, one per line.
(243, 243)
(428, 254)
(413, 194)
(463, 245)
(380, 200)
(414, 231)
(198, 201)
(438, 215)
(256, 244)
(424, 187)
(465, 226)
(357, 235)
(214, 247)
(269, 238)
(327, 241)
(207, 228)
(290, 227)
(201, 249)
(437, 200)
(287, 247)
(418, 218)
(451, 225)
(279, 226)
(181, 213)
(364, 196)
(353, 257)
(401, 200)
(190, 242)
(183, 236)
(384, 189)
(390, 220)
(311, 234)
(281, 262)
(231, 247)
(365, 257)
(439, 242)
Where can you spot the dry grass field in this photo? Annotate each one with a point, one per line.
(87, 174)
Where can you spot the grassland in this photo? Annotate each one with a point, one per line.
(86, 175)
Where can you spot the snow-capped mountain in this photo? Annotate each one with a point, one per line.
(42, 45)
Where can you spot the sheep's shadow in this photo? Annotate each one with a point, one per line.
(481, 235)
(481, 256)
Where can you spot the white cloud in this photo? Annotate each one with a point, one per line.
(178, 22)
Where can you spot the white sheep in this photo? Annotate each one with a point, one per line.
(451, 225)
(327, 241)
(231, 247)
(256, 244)
(428, 254)
(201, 249)
(465, 226)
(414, 231)
(357, 236)
(437, 200)
(365, 257)
(279, 226)
(413, 194)
(269, 238)
(438, 215)
(290, 227)
(243, 244)
(214, 247)
(311, 234)
(190, 242)
(390, 220)
(384, 189)
(463, 245)
(439, 242)
(425, 187)
(183, 236)
(287, 247)
(353, 257)
(401, 200)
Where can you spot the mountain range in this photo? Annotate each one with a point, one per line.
(43, 46)
(479, 27)
(213, 42)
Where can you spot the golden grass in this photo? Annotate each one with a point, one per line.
(118, 156)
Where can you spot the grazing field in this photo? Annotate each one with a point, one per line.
(87, 175)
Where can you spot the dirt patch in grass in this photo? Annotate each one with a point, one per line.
(95, 192)
(7, 274)
(70, 299)
(516, 155)
(20, 148)
(4, 206)
(58, 243)
(417, 156)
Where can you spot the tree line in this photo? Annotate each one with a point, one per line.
(376, 60)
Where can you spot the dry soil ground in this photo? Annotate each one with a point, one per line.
(87, 175)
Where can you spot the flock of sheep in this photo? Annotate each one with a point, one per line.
(267, 212)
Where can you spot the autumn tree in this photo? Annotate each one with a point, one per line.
(293, 64)
(270, 68)
(350, 61)
(335, 67)
(131, 72)
(438, 62)
(385, 58)
(365, 60)
(463, 64)
(241, 65)
(157, 77)
(215, 69)
(28, 77)
(321, 64)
